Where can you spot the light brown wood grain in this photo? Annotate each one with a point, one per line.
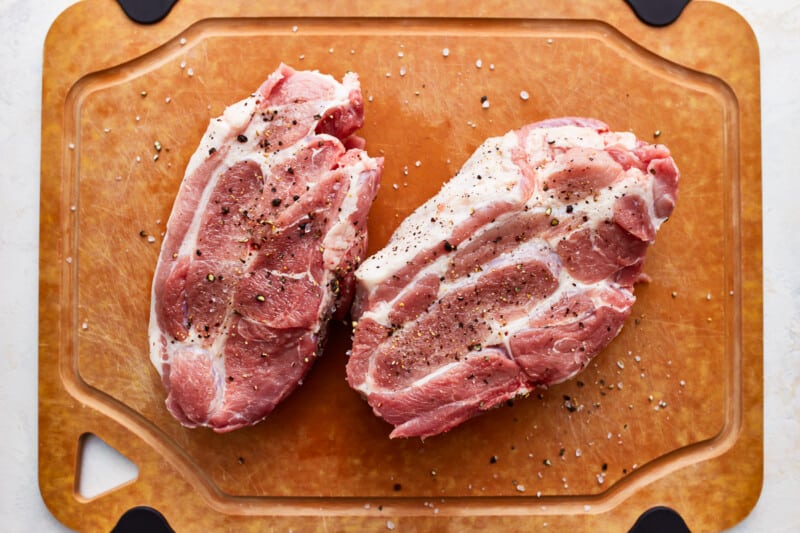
(322, 461)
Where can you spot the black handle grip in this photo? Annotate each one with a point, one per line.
(139, 519)
(660, 520)
(146, 11)
(658, 12)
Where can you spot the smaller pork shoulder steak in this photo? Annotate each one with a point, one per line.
(266, 231)
(517, 273)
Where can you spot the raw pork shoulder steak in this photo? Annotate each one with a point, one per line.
(265, 233)
(516, 274)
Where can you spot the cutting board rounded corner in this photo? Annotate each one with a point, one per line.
(738, 18)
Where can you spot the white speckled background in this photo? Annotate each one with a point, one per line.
(23, 26)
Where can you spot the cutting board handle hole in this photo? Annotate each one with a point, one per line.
(100, 468)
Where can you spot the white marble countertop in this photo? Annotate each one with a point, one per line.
(24, 25)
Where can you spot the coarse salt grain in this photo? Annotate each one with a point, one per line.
(524, 95)
(485, 104)
(84, 326)
(620, 364)
(190, 72)
(445, 52)
(151, 239)
(294, 29)
(520, 488)
(389, 524)
(478, 63)
(330, 50)
(400, 54)
(418, 163)
(68, 260)
(183, 64)
(168, 99)
(395, 186)
(182, 41)
(402, 71)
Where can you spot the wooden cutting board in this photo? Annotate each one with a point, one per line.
(669, 414)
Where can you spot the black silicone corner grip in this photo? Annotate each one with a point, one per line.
(658, 12)
(141, 519)
(660, 520)
(146, 11)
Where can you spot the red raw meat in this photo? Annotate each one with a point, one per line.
(517, 273)
(264, 236)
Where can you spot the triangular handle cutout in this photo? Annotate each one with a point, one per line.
(101, 468)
